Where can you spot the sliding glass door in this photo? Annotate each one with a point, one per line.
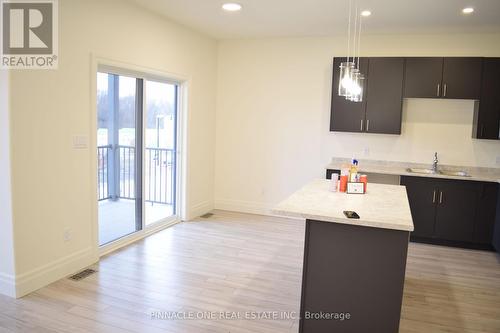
(160, 150)
(119, 140)
(136, 153)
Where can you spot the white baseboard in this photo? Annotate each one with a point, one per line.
(7, 285)
(200, 209)
(251, 207)
(40, 277)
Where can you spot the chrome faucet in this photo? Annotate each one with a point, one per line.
(435, 163)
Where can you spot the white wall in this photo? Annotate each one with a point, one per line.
(7, 267)
(273, 112)
(51, 181)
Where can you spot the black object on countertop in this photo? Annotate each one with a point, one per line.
(350, 214)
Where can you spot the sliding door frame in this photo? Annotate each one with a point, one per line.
(99, 64)
(139, 163)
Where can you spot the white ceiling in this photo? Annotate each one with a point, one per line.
(292, 18)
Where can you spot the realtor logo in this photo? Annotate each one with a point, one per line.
(29, 34)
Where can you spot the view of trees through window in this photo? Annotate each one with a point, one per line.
(160, 106)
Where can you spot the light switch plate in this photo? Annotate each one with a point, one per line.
(80, 142)
(67, 234)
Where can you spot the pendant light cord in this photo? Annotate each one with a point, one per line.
(355, 32)
(349, 31)
(359, 38)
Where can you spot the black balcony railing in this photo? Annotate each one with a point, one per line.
(116, 174)
(102, 172)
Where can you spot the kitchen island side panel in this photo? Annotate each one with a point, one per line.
(353, 269)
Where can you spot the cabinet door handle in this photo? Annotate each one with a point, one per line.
(437, 91)
(434, 197)
(361, 125)
(482, 131)
(444, 89)
(367, 125)
(440, 197)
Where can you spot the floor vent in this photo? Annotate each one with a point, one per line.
(82, 275)
(207, 215)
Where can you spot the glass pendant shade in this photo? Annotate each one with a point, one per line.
(356, 89)
(345, 78)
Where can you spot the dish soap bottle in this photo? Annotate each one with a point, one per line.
(353, 171)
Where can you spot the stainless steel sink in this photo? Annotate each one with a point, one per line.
(454, 173)
(421, 170)
(439, 172)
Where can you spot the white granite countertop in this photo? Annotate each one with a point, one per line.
(399, 168)
(383, 206)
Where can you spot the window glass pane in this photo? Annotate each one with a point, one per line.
(116, 151)
(159, 155)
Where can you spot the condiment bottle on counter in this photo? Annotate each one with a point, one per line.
(335, 182)
(344, 175)
(364, 179)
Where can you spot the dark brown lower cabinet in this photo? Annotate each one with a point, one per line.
(461, 213)
(489, 205)
(422, 195)
(454, 212)
(456, 206)
(354, 275)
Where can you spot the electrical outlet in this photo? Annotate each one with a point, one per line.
(498, 161)
(366, 151)
(67, 235)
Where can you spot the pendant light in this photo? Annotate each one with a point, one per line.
(351, 80)
(346, 67)
(357, 78)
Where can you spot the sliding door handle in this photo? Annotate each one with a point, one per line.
(440, 197)
(434, 197)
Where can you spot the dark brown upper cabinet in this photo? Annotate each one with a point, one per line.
(380, 111)
(462, 78)
(390, 79)
(423, 77)
(486, 123)
(449, 77)
(384, 95)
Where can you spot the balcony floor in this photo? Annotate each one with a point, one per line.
(117, 218)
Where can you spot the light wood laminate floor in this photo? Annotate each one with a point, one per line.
(238, 262)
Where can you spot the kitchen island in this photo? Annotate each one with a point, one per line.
(354, 269)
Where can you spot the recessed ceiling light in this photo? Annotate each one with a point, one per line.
(366, 13)
(231, 7)
(468, 10)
